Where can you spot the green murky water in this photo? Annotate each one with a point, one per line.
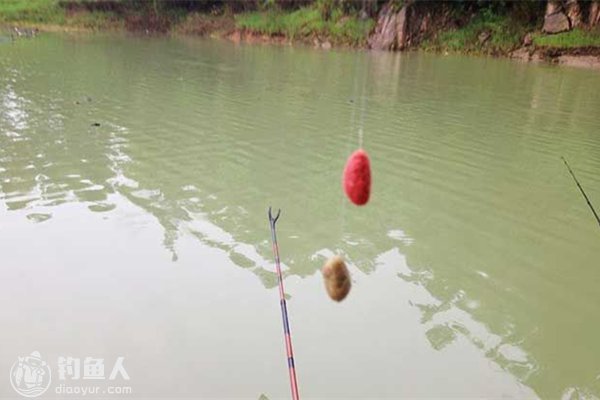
(476, 265)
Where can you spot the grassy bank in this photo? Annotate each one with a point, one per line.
(487, 32)
(567, 40)
(308, 23)
(490, 33)
(45, 13)
(32, 11)
(129, 15)
(305, 23)
(469, 28)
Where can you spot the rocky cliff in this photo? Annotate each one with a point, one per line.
(398, 28)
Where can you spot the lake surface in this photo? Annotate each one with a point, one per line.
(475, 266)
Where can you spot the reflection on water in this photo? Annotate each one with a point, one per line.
(476, 255)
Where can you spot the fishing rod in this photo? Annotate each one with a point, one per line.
(284, 314)
(582, 191)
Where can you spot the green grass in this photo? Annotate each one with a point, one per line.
(506, 35)
(306, 23)
(50, 12)
(33, 11)
(574, 38)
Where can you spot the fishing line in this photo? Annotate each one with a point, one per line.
(363, 102)
(589, 203)
(356, 179)
(359, 98)
(361, 122)
(354, 100)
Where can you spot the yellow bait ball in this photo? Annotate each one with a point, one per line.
(337, 278)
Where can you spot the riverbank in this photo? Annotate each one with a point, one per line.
(518, 30)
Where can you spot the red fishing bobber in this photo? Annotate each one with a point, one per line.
(357, 177)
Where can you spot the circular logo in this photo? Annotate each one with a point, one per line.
(30, 376)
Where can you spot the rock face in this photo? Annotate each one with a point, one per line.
(484, 37)
(580, 61)
(555, 20)
(390, 31)
(398, 29)
(553, 6)
(402, 27)
(573, 12)
(573, 57)
(556, 23)
(520, 54)
(564, 15)
(594, 14)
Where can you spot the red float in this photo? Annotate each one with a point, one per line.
(357, 177)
